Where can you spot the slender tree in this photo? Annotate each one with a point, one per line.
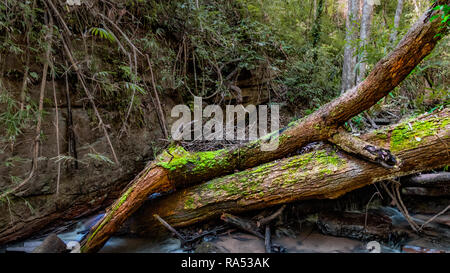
(348, 71)
(366, 21)
(317, 28)
(398, 15)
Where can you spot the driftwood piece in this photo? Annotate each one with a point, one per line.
(193, 168)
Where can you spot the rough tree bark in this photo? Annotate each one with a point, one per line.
(177, 168)
(321, 174)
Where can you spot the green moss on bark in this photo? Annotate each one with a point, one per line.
(409, 135)
(265, 178)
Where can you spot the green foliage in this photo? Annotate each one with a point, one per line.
(13, 118)
(102, 33)
(134, 87)
(445, 15)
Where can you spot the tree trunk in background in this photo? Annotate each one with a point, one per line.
(186, 168)
(317, 28)
(315, 9)
(351, 24)
(321, 174)
(398, 15)
(416, 7)
(366, 21)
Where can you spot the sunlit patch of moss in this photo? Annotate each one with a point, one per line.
(298, 168)
(409, 135)
(260, 169)
(230, 188)
(244, 183)
(177, 157)
(321, 156)
(381, 135)
(250, 182)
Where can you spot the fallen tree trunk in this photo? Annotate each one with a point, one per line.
(321, 174)
(429, 184)
(422, 191)
(178, 168)
(429, 179)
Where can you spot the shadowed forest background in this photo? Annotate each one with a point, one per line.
(86, 92)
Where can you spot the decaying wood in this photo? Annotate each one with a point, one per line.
(321, 125)
(242, 224)
(270, 218)
(430, 178)
(357, 146)
(422, 191)
(174, 231)
(320, 174)
(120, 209)
(353, 225)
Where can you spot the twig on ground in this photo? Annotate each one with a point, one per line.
(169, 227)
(269, 218)
(434, 217)
(367, 207)
(242, 224)
(408, 218)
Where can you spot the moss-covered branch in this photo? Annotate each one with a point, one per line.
(324, 173)
(355, 145)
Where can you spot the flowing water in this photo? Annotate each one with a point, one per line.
(308, 239)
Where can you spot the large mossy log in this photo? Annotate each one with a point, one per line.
(178, 169)
(419, 145)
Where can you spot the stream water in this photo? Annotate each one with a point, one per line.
(308, 239)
